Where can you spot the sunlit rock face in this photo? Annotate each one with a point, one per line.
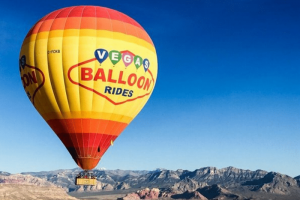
(27, 187)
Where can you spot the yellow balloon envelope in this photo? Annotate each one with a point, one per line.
(88, 71)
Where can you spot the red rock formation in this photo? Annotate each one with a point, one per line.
(131, 196)
(143, 194)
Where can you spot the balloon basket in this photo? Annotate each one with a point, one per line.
(85, 178)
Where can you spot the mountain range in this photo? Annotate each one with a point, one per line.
(204, 183)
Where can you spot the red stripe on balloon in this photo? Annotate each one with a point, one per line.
(96, 140)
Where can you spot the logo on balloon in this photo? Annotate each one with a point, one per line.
(115, 84)
(126, 56)
(29, 78)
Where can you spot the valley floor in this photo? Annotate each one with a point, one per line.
(104, 195)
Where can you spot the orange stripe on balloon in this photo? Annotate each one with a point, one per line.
(91, 23)
(59, 24)
(87, 126)
(88, 23)
(46, 26)
(90, 11)
(72, 23)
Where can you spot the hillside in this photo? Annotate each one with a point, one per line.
(27, 187)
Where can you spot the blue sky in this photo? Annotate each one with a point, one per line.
(227, 92)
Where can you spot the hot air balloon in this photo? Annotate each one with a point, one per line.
(88, 71)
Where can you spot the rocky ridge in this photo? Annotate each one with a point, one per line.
(207, 182)
(124, 179)
(20, 179)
